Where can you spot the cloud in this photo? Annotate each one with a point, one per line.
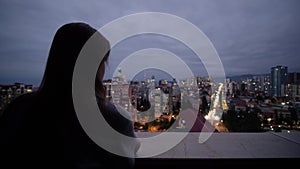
(250, 36)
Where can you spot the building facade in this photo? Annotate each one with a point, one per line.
(279, 77)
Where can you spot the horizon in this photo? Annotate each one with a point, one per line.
(139, 77)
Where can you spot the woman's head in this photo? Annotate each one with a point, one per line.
(66, 46)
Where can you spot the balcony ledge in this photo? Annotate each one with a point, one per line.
(269, 149)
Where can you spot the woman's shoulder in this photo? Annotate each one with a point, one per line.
(116, 116)
(20, 104)
(113, 109)
(24, 99)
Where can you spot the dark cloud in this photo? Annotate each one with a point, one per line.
(250, 35)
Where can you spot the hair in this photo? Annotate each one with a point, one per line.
(99, 88)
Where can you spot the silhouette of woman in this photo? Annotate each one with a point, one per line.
(41, 129)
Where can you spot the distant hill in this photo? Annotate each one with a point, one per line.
(245, 76)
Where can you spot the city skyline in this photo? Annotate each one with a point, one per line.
(249, 36)
(157, 74)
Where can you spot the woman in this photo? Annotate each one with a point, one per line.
(41, 129)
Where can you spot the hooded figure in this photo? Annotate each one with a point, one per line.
(41, 129)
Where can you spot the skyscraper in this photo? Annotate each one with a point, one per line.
(279, 77)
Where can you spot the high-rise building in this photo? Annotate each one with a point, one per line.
(279, 77)
(294, 78)
(292, 88)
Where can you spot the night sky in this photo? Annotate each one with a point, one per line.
(250, 36)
